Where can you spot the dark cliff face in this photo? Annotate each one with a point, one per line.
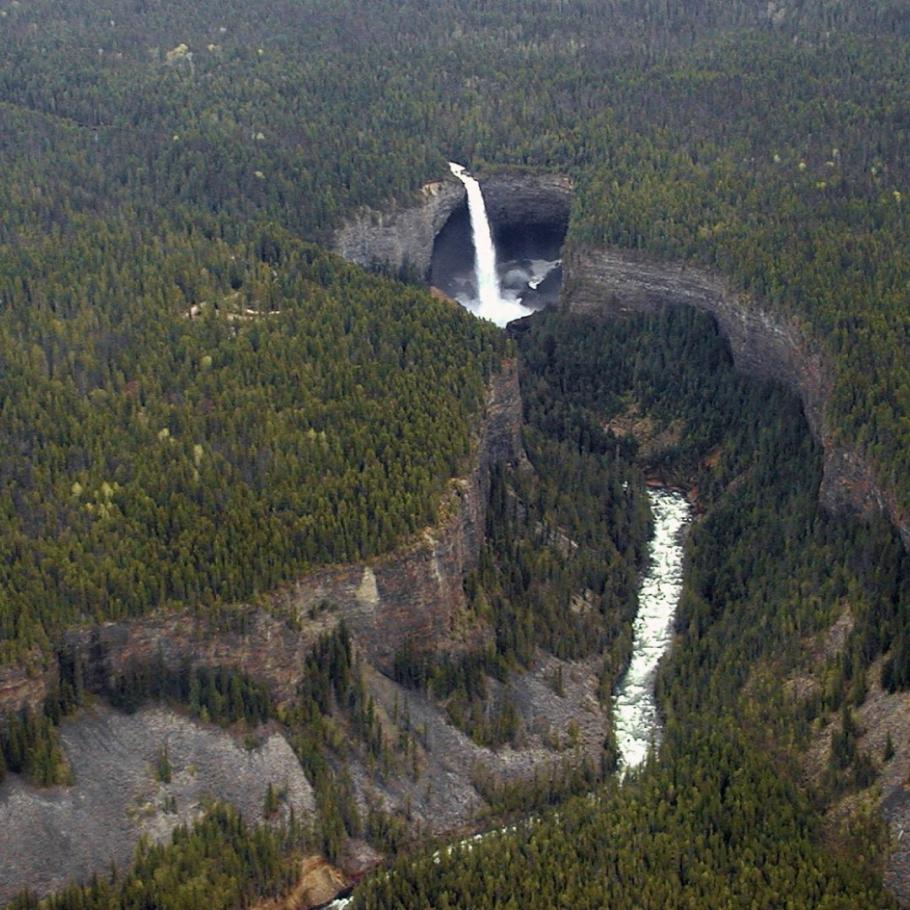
(527, 200)
(601, 282)
(609, 283)
(416, 593)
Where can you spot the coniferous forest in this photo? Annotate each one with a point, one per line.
(199, 402)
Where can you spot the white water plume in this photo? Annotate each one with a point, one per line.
(490, 303)
(540, 271)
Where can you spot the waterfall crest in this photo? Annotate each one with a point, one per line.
(490, 303)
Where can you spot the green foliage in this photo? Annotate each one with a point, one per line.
(712, 825)
(768, 144)
(150, 458)
(30, 742)
(270, 806)
(563, 546)
(163, 769)
(309, 413)
(30, 745)
(718, 820)
(333, 712)
(220, 863)
(218, 694)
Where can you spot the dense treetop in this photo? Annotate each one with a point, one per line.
(187, 420)
(197, 404)
(724, 816)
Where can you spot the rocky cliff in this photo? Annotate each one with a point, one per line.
(414, 593)
(402, 237)
(51, 836)
(515, 200)
(613, 282)
(25, 684)
(609, 282)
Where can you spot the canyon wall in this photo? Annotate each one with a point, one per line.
(26, 683)
(414, 593)
(401, 238)
(516, 200)
(608, 282)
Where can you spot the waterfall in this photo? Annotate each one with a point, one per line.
(490, 303)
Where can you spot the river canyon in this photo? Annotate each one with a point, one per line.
(458, 221)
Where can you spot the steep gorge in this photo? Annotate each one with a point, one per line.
(416, 593)
(401, 239)
(605, 283)
(614, 283)
(601, 283)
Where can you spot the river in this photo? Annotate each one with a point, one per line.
(635, 717)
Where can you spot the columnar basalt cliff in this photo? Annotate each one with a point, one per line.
(402, 238)
(515, 200)
(610, 282)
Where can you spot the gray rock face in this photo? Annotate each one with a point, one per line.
(49, 837)
(610, 283)
(403, 236)
(557, 731)
(416, 593)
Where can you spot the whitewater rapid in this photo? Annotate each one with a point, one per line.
(635, 718)
(490, 302)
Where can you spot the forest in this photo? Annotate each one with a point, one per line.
(721, 817)
(199, 402)
(188, 421)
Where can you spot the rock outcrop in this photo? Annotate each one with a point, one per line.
(613, 282)
(49, 837)
(515, 200)
(413, 594)
(609, 282)
(25, 683)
